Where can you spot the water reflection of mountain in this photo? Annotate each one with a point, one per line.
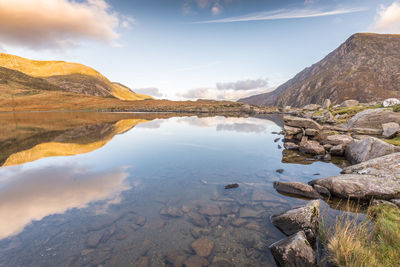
(26, 137)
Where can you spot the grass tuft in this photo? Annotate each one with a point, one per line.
(374, 241)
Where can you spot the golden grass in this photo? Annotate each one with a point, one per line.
(395, 141)
(374, 241)
(44, 69)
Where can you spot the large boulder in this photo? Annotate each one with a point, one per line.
(338, 139)
(301, 123)
(312, 147)
(373, 118)
(293, 251)
(390, 129)
(303, 218)
(360, 186)
(296, 188)
(388, 165)
(349, 103)
(368, 148)
(291, 130)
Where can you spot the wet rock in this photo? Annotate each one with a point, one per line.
(198, 232)
(195, 261)
(279, 147)
(239, 222)
(294, 251)
(390, 129)
(99, 256)
(291, 130)
(144, 249)
(176, 258)
(327, 103)
(171, 212)
(303, 218)
(262, 195)
(142, 262)
(349, 103)
(221, 262)
(86, 252)
(296, 188)
(94, 239)
(231, 186)
(185, 209)
(373, 118)
(213, 221)
(358, 186)
(322, 190)
(291, 146)
(210, 209)
(277, 139)
(301, 123)
(141, 220)
(229, 208)
(279, 170)
(203, 246)
(338, 139)
(368, 148)
(337, 150)
(197, 219)
(252, 226)
(249, 213)
(312, 147)
(327, 157)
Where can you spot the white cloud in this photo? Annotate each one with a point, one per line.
(284, 14)
(43, 24)
(243, 85)
(216, 9)
(387, 19)
(149, 91)
(215, 6)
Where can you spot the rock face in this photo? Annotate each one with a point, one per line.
(390, 129)
(368, 148)
(362, 69)
(296, 188)
(301, 123)
(359, 186)
(373, 118)
(304, 218)
(293, 251)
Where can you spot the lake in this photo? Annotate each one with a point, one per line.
(132, 189)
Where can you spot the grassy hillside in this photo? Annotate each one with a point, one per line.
(70, 77)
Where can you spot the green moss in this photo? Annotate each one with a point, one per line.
(396, 108)
(395, 141)
(351, 111)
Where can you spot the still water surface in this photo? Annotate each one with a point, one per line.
(90, 189)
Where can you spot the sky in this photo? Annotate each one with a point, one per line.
(189, 49)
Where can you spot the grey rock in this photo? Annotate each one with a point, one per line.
(379, 202)
(390, 129)
(322, 190)
(311, 132)
(359, 186)
(338, 139)
(296, 188)
(349, 103)
(367, 148)
(301, 123)
(311, 107)
(337, 150)
(312, 147)
(327, 103)
(366, 131)
(396, 202)
(294, 251)
(373, 118)
(303, 218)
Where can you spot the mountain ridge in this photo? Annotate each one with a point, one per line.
(366, 67)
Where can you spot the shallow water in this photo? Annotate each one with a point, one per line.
(89, 189)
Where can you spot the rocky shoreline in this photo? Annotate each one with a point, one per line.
(374, 179)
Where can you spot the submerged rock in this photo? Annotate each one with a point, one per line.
(195, 261)
(249, 213)
(176, 258)
(171, 212)
(197, 219)
(203, 246)
(296, 188)
(358, 186)
(368, 148)
(294, 251)
(303, 218)
(94, 239)
(211, 210)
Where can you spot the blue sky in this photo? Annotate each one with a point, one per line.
(181, 49)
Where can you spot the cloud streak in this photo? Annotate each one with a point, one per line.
(243, 85)
(44, 24)
(284, 14)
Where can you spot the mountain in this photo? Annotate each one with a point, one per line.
(366, 68)
(60, 76)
